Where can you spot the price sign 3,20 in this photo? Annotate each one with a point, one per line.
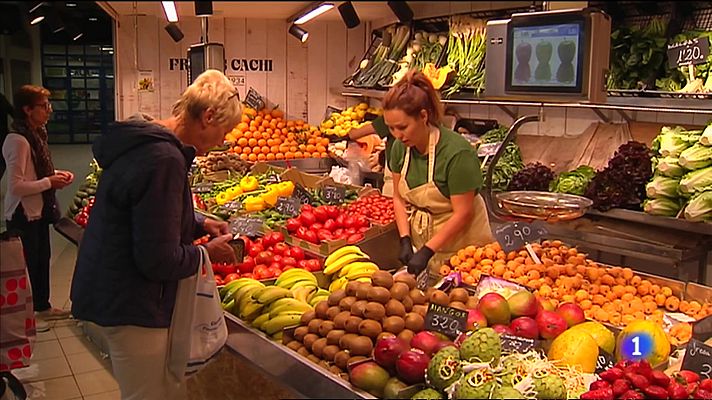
(446, 320)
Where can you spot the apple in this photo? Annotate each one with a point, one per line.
(475, 320)
(525, 327)
(550, 324)
(289, 261)
(572, 314)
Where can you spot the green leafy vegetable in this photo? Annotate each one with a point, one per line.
(670, 167)
(696, 157)
(574, 182)
(700, 207)
(663, 206)
(637, 55)
(706, 138)
(509, 164)
(662, 186)
(696, 181)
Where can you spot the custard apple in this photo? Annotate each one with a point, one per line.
(428, 394)
(478, 384)
(507, 392)
(512, 373)
(444, 368)
(482, 346)
(548, 386)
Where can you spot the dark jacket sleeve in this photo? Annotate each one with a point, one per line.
(199, 221)
(157, 221)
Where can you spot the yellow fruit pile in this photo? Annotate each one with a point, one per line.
(266, 135)
(339, 124)
(616, 295)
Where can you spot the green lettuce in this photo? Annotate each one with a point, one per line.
(662, 206)
(574, 182)
(670, 167)
(673, 141)
(696, 157)
(706, 138)
(700, 207)
(662, 186)
(696, 181)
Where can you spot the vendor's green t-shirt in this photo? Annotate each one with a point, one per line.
(457, 168)
(379, 125)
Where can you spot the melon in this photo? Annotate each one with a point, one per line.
(602, 335)
(652, 343)
(575, 348)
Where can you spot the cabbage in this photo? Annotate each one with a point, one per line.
(706, 138)
(696, 157)
(672, 142)
(663, 206)
(696, 181)
(700, 207)
(670, 167)
(662, 186)
(574, 182)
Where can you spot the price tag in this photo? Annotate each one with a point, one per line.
(605, 361)
(488, 149)
(516, 344)
(446, 320)
(232, 206)
(334, 194)
(693, 51)
(698, 358)
(274, 178)
(302, 194)
(204, 187)
(254, 99)
(289, 206)
(514, 236)
(245, 226)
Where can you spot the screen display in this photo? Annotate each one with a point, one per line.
(546, 56)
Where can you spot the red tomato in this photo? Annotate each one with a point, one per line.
(361, 221)
(330, 225)
(297, 253)
(265, 257)
(249, 275)
(247, 240)
(278, 237)
(231, 277)
(311, 236)
(362, 230)
(261, 272)
(349, 222)
(293, 224)
(307, 208)
(317, 226)
(276, 266)
(324, 235)
(314, 265)
(307, 218)
(353, 239)
(229, 269)
(340, 221)
(280, 248)
(267, 241)
(303, 264)
(332, 211)
(218, 280)
(277, 259)
(255, 249)
(302, 232)
(338, 232)
(351, 231)
(287, 267)
(289, 261)
(321, 214)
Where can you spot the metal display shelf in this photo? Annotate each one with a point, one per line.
(285, 365)
(653, 220)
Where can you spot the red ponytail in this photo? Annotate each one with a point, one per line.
(413, 93)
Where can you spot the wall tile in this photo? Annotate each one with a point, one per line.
(674, 118)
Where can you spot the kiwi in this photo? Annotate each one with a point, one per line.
(329, 352)
(420, 309)
(408, 279)
(459, 305)
(346, 303)
(314, 325)
(309, 340)
(406, 335)
(352, 287)
(307, 316)
(399, 291)
(340, 319)
(294, 345)
(395, 307)
(471, 303)
(459, 294)
(314, 359)
(303, 351)
(352, 324)
(384, 335)
(408, 304)
(370, 328)
(375, 311)
(332, 312)
(336, 297)
(379, 294)
(318, 347)
(382, 279)
(321, 309)
(341, 359)
(362, 291)
(418, 296)
(414, 321)
(358, 308)
(300, 332)
(325, 328)
(437, 297)
(345, 340)
(334, 336)
(394, 324)
(361, 346)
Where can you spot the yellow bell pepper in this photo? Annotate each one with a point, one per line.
(221, 198)
(285, 188)
(248, 184)
(271, 195)
(234, 192)
(253, 203)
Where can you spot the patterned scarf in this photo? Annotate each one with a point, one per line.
(42, 161)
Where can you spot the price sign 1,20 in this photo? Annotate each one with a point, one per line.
(514, 236)
(446, 320)
(689, 52)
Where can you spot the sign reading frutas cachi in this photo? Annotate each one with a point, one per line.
(235, 64)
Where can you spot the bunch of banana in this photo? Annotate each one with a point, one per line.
(236, 291)
(347, 264)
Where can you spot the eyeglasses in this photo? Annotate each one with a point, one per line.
(46, 106)
(236, 94)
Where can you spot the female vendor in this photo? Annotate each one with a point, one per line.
(436, 179)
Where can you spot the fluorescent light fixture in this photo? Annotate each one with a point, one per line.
(313, 13)
(71, 4)
(93, 19)
(107, 49)
(35, 5)
(76, 36)
(299, 33)
(169, 7)
(36, 20)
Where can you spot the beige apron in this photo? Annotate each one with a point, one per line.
(428, 210)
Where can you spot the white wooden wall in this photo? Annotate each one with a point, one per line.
(306, 77)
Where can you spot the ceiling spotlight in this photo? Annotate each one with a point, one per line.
(203, 8)
(348, 14)
(314, 10)
(34, 5)
(402, 10)
(169, 7)
(174, 31)
(299, 33)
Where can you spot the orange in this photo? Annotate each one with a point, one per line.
(258, 119)
(252, 142)
(245, 118)
(243, 157)
(274, 149)
(289, 155)
(243, 126)
(280, 156)
(298, 154)
(261, 157)
(242, 142)
(293, 149)
(266, 135)
(256, 150)
(270, 157)
(237, 149)
(261, 142)
(261, 129)
(246, 150)
(253, 157)
(268, 117)
(265, 149)
(311, 148)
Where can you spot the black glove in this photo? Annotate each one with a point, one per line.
(419, 261)
(406, 250)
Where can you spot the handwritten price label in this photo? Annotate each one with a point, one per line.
(446, 320)
(246, 226)
(693, 51)
(289, 206)
(302, 194)
(604, 361)
(488, 149)
(698, 358)
(254, 100)
(334, 194)
(515, 344)
(205, 187)
(514, 236)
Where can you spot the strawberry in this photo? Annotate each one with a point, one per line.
(599, 384)
(612, 374)
(600, 394)
(703, 394)
(638, 381)
(645, 369)
(691, 388)
(632, 395)
(655, 392)
(676, 391)
(622, 364)
(706, 384)
(688, 376)
(659, 378)
(620, 386)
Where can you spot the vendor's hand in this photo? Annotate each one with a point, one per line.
(419, 261)
(215, 228)
(67, 175)
(220, 251)
(406, 250)
(58, 181)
